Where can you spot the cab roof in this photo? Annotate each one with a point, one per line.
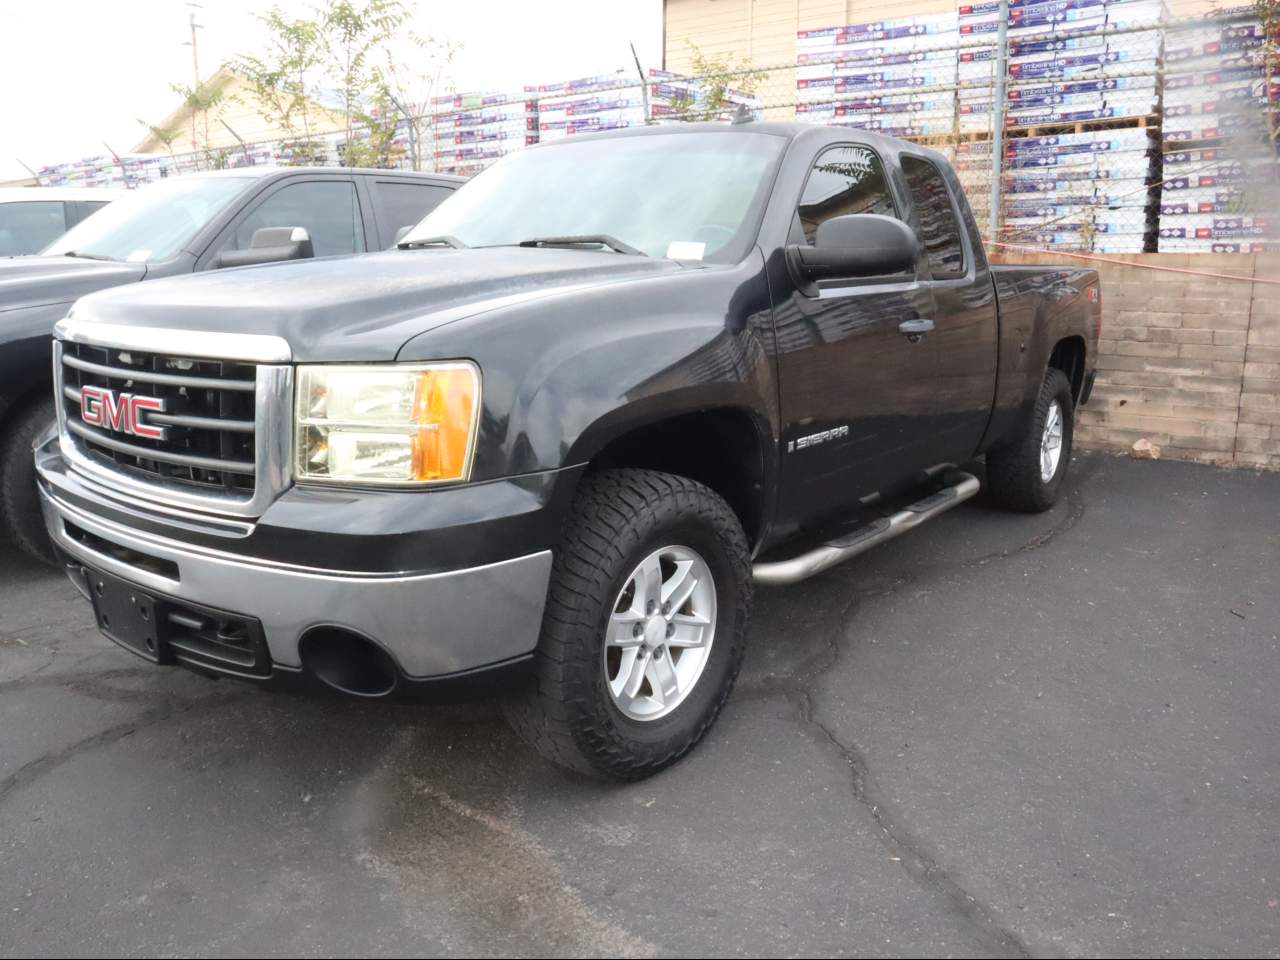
(788, 130)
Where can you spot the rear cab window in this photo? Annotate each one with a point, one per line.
(939, 227)
(402, 203)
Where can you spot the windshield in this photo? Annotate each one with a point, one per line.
(152, 223)
(680, 195)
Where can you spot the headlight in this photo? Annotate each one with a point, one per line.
(394, 424)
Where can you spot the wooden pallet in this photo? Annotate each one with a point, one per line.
(948, 139)
(1150, 122)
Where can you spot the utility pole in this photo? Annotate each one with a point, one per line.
(195, 79)
(997, 119)
(195, 53)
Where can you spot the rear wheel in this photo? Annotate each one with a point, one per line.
(1028, 475)
(645, 626)
(20, 516)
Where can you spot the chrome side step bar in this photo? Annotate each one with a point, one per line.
(828, 555)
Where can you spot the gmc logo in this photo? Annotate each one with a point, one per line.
(121, 412)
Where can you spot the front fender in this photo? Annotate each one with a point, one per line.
(564, 376)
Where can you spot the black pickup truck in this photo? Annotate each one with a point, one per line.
(174, 227)
(552, 443)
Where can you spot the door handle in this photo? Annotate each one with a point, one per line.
(913, 330)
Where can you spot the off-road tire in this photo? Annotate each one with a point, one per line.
(1013, 472)
(20, 518)
(618, 518)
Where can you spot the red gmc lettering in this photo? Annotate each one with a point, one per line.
(140, 427)
(120, 412)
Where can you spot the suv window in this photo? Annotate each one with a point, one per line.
(30, 226)
(938, 226)
(328, 209)
(402, 204)
(844, 180)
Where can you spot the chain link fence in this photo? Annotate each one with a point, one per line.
(1121, 130)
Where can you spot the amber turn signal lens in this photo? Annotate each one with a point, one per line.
(444, 406)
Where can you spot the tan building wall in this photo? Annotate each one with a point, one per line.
(765, 30)
(1188, 362)
(239, 109)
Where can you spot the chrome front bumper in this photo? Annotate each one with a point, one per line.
(432, 624)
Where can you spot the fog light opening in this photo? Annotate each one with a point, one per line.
(348, 662)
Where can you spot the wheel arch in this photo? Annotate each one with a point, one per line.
(1069, 355)
(726, 448)
(14, 406)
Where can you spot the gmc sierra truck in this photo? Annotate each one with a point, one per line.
(550, 444)
(169, 228)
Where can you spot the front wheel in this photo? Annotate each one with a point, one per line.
(645, 626)
(1028, 475)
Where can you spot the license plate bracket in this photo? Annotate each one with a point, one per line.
(128, 615)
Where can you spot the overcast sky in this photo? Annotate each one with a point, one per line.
(76, 73)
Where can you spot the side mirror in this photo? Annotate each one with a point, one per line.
(271, 245)
(856, 245)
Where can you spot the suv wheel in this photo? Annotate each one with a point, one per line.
(1028, 475)
(645, 626)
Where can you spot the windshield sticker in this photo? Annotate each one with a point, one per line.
(138, 256)
(685, 250)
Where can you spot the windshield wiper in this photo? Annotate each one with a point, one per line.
(444, 240)
(593, 239)
(80, 254)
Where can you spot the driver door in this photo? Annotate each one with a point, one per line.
(858, 394)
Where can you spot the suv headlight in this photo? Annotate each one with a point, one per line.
(392, 424)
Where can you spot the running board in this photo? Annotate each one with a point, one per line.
(860, 541)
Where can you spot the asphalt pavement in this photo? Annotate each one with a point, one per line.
(999, 735)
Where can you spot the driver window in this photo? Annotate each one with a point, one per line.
(327, 208)
(844, 180)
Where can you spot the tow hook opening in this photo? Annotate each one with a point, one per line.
(348, 662)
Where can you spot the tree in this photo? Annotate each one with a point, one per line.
(284, 78)
(1260, 193)
(716, 81)
(163, 135)
(200, 99)
(372, 142)
(1268, 11)
(412, 71)
(352, 32)
(359, 51)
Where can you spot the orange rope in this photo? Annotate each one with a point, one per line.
(1130, 263)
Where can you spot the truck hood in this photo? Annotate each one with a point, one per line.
(364, 308)
(31, 281)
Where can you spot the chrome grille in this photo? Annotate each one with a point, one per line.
(209, 419)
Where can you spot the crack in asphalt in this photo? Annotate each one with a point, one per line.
(903, 846)
(90, 684)
(1075, 513)
(35, 769)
